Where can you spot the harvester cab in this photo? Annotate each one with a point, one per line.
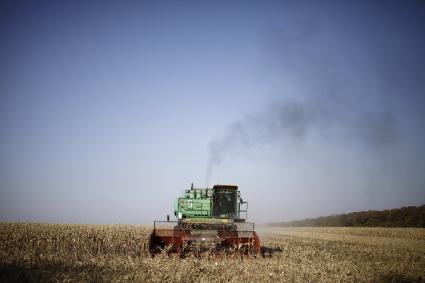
(208, 220)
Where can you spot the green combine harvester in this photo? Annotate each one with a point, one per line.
(208, 220)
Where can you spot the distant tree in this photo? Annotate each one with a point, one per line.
(410, 216)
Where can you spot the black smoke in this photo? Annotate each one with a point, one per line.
(345, 97)
(291, 119)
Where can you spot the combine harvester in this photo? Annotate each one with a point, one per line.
(208, 220)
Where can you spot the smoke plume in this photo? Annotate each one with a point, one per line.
(290, 119)
(314, 92)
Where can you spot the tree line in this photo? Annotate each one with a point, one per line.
(411, 216)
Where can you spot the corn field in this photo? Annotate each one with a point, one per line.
(105, 253)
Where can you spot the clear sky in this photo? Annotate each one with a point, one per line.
(108, 110)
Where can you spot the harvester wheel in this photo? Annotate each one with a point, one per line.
(154, 245)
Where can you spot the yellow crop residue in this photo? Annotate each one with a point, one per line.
(75, 253)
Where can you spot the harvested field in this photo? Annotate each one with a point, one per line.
(59, 252)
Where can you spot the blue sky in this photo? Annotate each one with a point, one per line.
(108, 110)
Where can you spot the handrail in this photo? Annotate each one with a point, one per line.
(240, 226)
(244, 210)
